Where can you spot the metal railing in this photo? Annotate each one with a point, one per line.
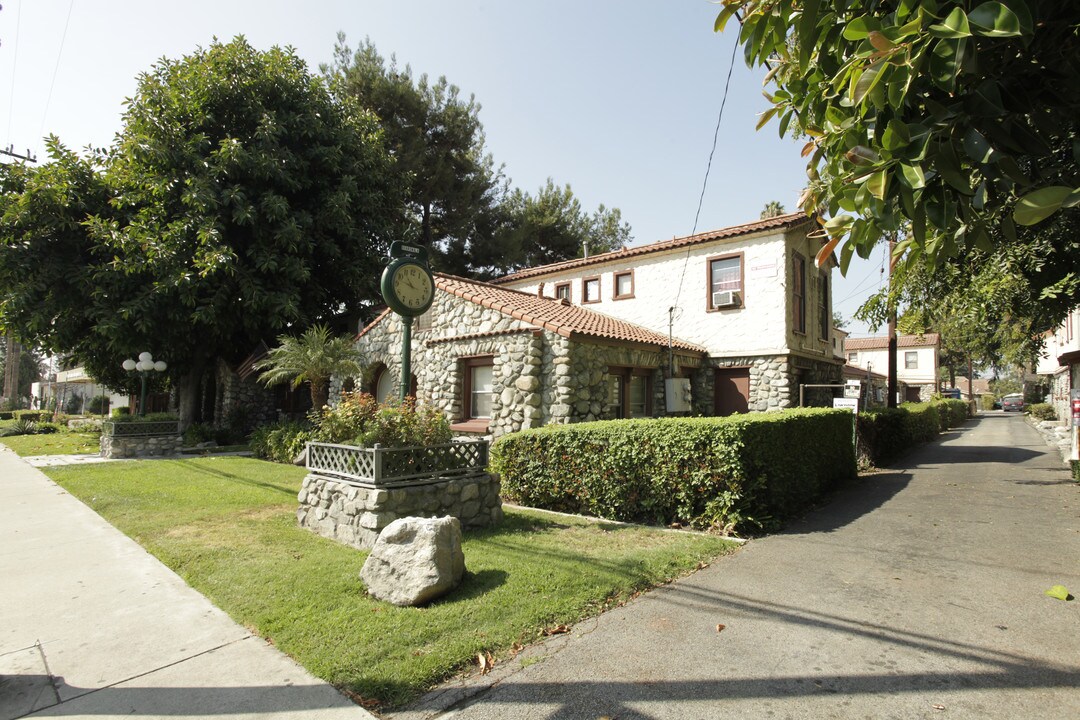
(138, 428)
(381, 466)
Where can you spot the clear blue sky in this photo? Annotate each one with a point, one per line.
(618, 98)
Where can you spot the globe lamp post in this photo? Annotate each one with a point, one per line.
(144, 366)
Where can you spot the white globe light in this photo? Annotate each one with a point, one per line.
(146, 357)
(160, 366)
(142, 366)
(129, 364)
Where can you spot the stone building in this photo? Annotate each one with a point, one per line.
(736, 319)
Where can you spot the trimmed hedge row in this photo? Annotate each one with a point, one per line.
(735, 472)
(885, 434)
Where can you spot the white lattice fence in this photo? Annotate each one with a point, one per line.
(388, 466)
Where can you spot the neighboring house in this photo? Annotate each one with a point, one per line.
(750, 319)
(73, 389)
(874, 386)
(916, 361)
(1060, 361)
(979, 386)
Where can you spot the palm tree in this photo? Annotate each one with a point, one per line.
(313, 358)
(773, 208)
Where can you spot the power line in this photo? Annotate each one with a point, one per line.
(59, 53)
(708, 167)
(14, 63)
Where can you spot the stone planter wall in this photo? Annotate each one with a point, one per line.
(140, 446)
(354, 514)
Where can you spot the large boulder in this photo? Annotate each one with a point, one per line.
(415, 560)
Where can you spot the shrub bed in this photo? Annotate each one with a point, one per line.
(1042, 411)
(737, 472)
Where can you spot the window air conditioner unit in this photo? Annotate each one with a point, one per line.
(725, 298)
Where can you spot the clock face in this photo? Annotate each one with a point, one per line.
(412, 285)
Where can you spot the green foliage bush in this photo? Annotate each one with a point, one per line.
(951, 413)
(47, 428)
(197, 433)
(21, 426)
(987, 402)
(358, 419)
(120, 412)
(1042, 411)
(281, 441)
(886, 433)
(737, 472)
(97, 405)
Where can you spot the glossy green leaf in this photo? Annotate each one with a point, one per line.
(726, 14)
(861, 27)
(896, 136)
(877, 184)
(914, 175)
(945, 61)
(955, 25)
(808, 30)
(993, 19)
(1040, 204)
(869, 78)
(976, 147)
(845, 256)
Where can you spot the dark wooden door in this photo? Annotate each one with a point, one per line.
(731, 390)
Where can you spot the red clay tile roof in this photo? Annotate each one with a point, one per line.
(854, 371)
(372, 324)
(781, 222)
(568, 320)
(882, 342)
(565, 319)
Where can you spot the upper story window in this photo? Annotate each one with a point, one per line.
(852, 358)
(911, 360)
(623, 285)
(562, 291)
(590, 290)
(725, 282)
(823, 307)
(798, 293)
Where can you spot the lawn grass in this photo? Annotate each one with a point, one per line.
(60, 443)
(227, 525)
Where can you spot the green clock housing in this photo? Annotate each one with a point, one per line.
(408, 286)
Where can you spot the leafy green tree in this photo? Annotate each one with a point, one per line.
(452, 187)
(312, 358)
(952, 122)
(552, 226)
(241, 199)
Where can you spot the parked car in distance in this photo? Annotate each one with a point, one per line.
(1013, 402)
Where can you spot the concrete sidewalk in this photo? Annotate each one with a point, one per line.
(916, 594)
(94, 626)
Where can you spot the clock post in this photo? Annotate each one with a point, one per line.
(409, 289)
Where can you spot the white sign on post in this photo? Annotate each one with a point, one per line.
(851, 404)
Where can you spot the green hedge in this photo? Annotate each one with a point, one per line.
(728, 473)
(886, 433)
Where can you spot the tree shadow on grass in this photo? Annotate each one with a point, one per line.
(192, 466)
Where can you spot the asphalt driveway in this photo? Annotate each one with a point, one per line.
(917, 593)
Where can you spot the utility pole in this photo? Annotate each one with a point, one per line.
(892, 328)
(12, 358)
(10, 150)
